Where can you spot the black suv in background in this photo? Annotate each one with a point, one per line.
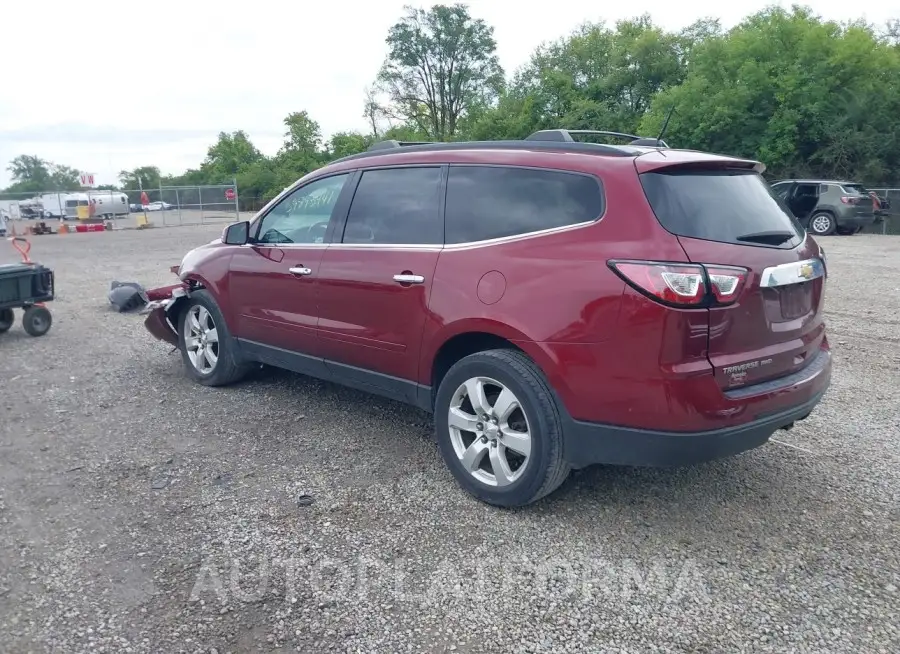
(826, 206)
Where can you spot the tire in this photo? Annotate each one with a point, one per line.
(468, 454)
(7, 320)
(37, 321)
(822, 224)
(225, 368)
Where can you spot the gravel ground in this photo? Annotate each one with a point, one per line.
(141, 513)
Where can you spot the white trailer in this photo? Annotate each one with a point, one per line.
(109, 204)
(106, 204)
(63, 205)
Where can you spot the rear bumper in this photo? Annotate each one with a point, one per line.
(856, 220)
(587, 443)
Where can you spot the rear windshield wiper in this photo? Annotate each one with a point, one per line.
(767, 238)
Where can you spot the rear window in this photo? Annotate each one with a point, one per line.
(854, 189)
(724, 206)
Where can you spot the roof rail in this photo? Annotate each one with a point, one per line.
(387, 148)
(565, 136)
(391, 144)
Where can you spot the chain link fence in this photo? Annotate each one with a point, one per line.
(890, 223)
(163, 206)
(187, 205)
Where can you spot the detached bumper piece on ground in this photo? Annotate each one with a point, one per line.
(27, 286)
(127, 296)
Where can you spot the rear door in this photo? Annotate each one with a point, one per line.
(803, 200)
(730, 217)
(375, 278)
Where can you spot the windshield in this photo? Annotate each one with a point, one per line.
(720, 205)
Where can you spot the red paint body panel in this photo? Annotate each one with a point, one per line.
(208, 265)
(368, 320)
(268, 304)
(756, 327)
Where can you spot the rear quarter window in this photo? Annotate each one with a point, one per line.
(723, 206)
(854, 189)
(488, 202)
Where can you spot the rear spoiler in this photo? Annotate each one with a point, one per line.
(658, 160)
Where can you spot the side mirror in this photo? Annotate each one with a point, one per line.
(236, 234)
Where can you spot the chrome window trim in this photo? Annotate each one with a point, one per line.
(429, 246)
(794, 272)
(521, 237)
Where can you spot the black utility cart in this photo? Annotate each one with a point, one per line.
(27, 286)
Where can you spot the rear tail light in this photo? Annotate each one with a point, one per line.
(850, 199)
(725, 282)
(683, 285)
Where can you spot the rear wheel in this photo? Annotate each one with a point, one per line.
(499, 430)
(7, 320)
(207, 348)
(37, 321)
(822, 224)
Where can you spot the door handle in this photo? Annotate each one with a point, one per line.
(409, 279)
(300, 271)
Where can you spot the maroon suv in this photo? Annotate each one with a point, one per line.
(554, 303)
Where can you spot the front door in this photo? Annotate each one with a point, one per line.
(375, 279)
(273, 280)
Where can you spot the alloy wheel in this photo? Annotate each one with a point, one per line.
(821, 224)
(489, 431)
(201, 339)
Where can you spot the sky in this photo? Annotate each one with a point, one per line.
(105, 86)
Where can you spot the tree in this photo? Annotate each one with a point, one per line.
(599, 78)
(31, 174)
(231, 154)
(302, 150)
(344, 144)
(441, 64)
(146, 177)
(803, 95)
(372, 111)
(64, 178)
(303, 133)
(29, 169)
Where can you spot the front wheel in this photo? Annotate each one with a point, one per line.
(499, 430)
(37, 320)
(207, 348)
(822, 224)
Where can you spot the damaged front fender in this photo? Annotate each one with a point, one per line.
(162, 313)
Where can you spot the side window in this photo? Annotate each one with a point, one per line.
(396, 205)
(824, 188)
(806, 190)
(302, 216)
(781, 190)
(485, 202)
